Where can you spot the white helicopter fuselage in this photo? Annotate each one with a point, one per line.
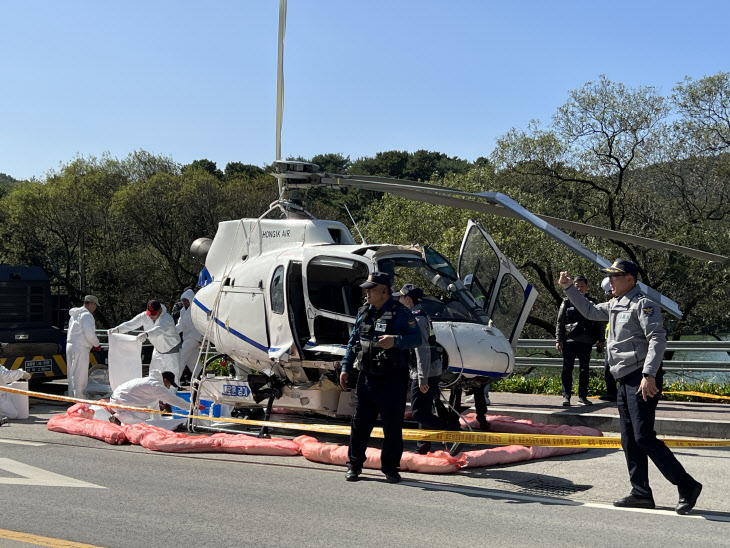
(284, 295)
(287, 290)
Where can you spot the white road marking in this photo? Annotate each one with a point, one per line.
(18, 442)
(489, 493)
(30, 475)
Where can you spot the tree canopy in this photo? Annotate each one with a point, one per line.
(625, 158)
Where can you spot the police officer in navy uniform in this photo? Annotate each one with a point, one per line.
(384, 332)
(426, 368)
(635, 346)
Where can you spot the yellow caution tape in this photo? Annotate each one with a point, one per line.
(699, 395)
(473, 438)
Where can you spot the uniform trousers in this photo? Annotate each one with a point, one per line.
(384, 395)
(422, 407)
(639, 440)
(582, 351)
(611, 390)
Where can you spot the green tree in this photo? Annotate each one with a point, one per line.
(332, 162)
(205, 165)
(239, 169)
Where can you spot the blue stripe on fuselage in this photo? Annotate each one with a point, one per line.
(238, 334)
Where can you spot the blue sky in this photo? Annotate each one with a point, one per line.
(197, 80)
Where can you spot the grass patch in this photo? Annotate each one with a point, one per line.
(539, 381)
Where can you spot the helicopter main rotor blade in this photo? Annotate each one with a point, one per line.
(280, 77)
(504, 206)
(515, 211)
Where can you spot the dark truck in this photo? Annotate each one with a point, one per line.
(26, 324)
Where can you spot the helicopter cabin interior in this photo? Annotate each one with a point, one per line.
(333, 289)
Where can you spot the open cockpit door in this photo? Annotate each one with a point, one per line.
(494, 281)
(332, 296)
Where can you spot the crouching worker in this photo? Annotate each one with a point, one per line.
(7, 408)
(159, 327)
(147, 392)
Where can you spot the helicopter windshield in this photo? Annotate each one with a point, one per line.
(445, 298)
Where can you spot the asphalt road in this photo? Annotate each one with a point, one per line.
(130, 497)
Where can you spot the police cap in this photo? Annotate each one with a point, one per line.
(377, 278)
(410, 290)
(622, 266)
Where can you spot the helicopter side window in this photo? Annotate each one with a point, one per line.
(277, 291)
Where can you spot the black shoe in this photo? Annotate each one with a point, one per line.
(392, 477)
(607, 398)
(585, 401)
(352, 475)
(424, 449)
(566, 402)
(114, 420)
(455, 449)
(686, 503)
(3, 420)
(631, 501)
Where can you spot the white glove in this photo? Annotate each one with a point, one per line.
(26, 376)
(113, 330)
(142, 337)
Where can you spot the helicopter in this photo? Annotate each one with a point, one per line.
(279, 297)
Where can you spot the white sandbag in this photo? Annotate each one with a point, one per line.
(125, 359)
(20, 401)
(100, 413)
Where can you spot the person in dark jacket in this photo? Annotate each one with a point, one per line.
(574, 337)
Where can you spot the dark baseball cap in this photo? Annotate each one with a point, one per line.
(170, 376)
(152, 307)
(410, 290)
(622, 266)
(377, 278)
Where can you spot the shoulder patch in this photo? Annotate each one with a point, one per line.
(648, 310)
(411, 323)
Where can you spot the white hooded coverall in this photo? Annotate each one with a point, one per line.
(80, 340)
(191, 337)
(146, 392)
(8, 376)
(163, 336)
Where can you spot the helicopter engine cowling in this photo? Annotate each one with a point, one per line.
(199, 249)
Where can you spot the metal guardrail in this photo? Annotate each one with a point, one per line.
(669, 365)
(549, 344)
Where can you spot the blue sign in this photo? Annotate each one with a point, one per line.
(236, 390)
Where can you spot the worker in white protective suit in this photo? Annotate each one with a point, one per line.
(146, 392)
(191, 338)
(8, 376)
(159, 327)
(80, 340)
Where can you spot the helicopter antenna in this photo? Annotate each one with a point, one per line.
(280, 77)
(355, 224)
